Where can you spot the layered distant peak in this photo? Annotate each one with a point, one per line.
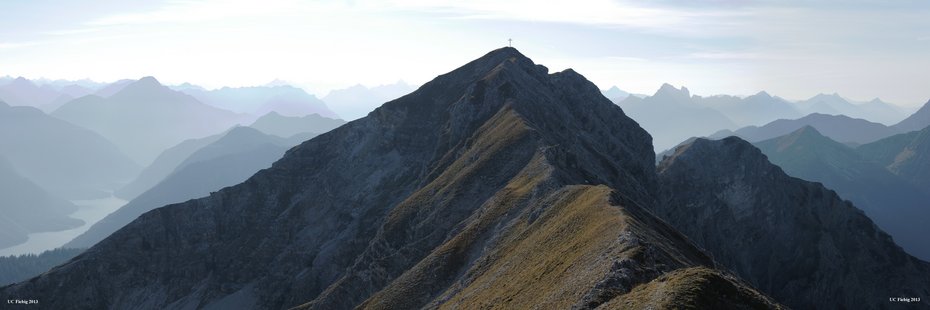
(822, 96)
(147, 83)
(762, 95)
(23, 82)
(615, 93)
(242, 133)
(667, 90)
(807, 131)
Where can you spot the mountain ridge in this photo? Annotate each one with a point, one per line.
(413, 206)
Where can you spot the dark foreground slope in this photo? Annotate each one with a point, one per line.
(795, 240)
(496, 184)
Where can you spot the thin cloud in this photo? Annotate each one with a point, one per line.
(12, 45)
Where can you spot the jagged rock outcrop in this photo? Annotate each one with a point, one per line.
(496, 184)
(794, 240)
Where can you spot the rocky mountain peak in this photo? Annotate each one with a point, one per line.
(446, 196)
(145, 85)
(762, 94)
(669, 91)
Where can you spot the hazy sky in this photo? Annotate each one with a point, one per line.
(859, 48)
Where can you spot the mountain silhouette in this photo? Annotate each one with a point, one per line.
(795, 240)
(896, 206)
(917, 121)
(68, 161)
(287, 126)
(840, 128)
(26, 208)
(757, 109)
(227, 161)
(261, 100)
(494, 185)
(875, 110)
(163, 165)
(670, 116)
(357, 101)
(615, 94)
(144, 118)
(23, 92)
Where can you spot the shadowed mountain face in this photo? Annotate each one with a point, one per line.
(25, 208)
(838, 127)
(898, 207)
(69, 161)
(794, 240)
(496, 184)
(287, 126)
(144, 118)
(261, 100)
(231, 159)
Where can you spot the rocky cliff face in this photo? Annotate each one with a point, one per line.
(496, 184)
(795, 240)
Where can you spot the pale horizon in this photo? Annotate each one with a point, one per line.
(859, 49)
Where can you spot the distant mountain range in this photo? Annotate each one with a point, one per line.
(228, 160)
(62, 158)
(261, 100)
(163, 165)
(26, 208)
(357, 101)
(615, 94)
(898, 204)
(23, 92)
(671, 117)
(760, 108)
(287, 126)
(840, 128)
(875, 110)
(144, 118)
